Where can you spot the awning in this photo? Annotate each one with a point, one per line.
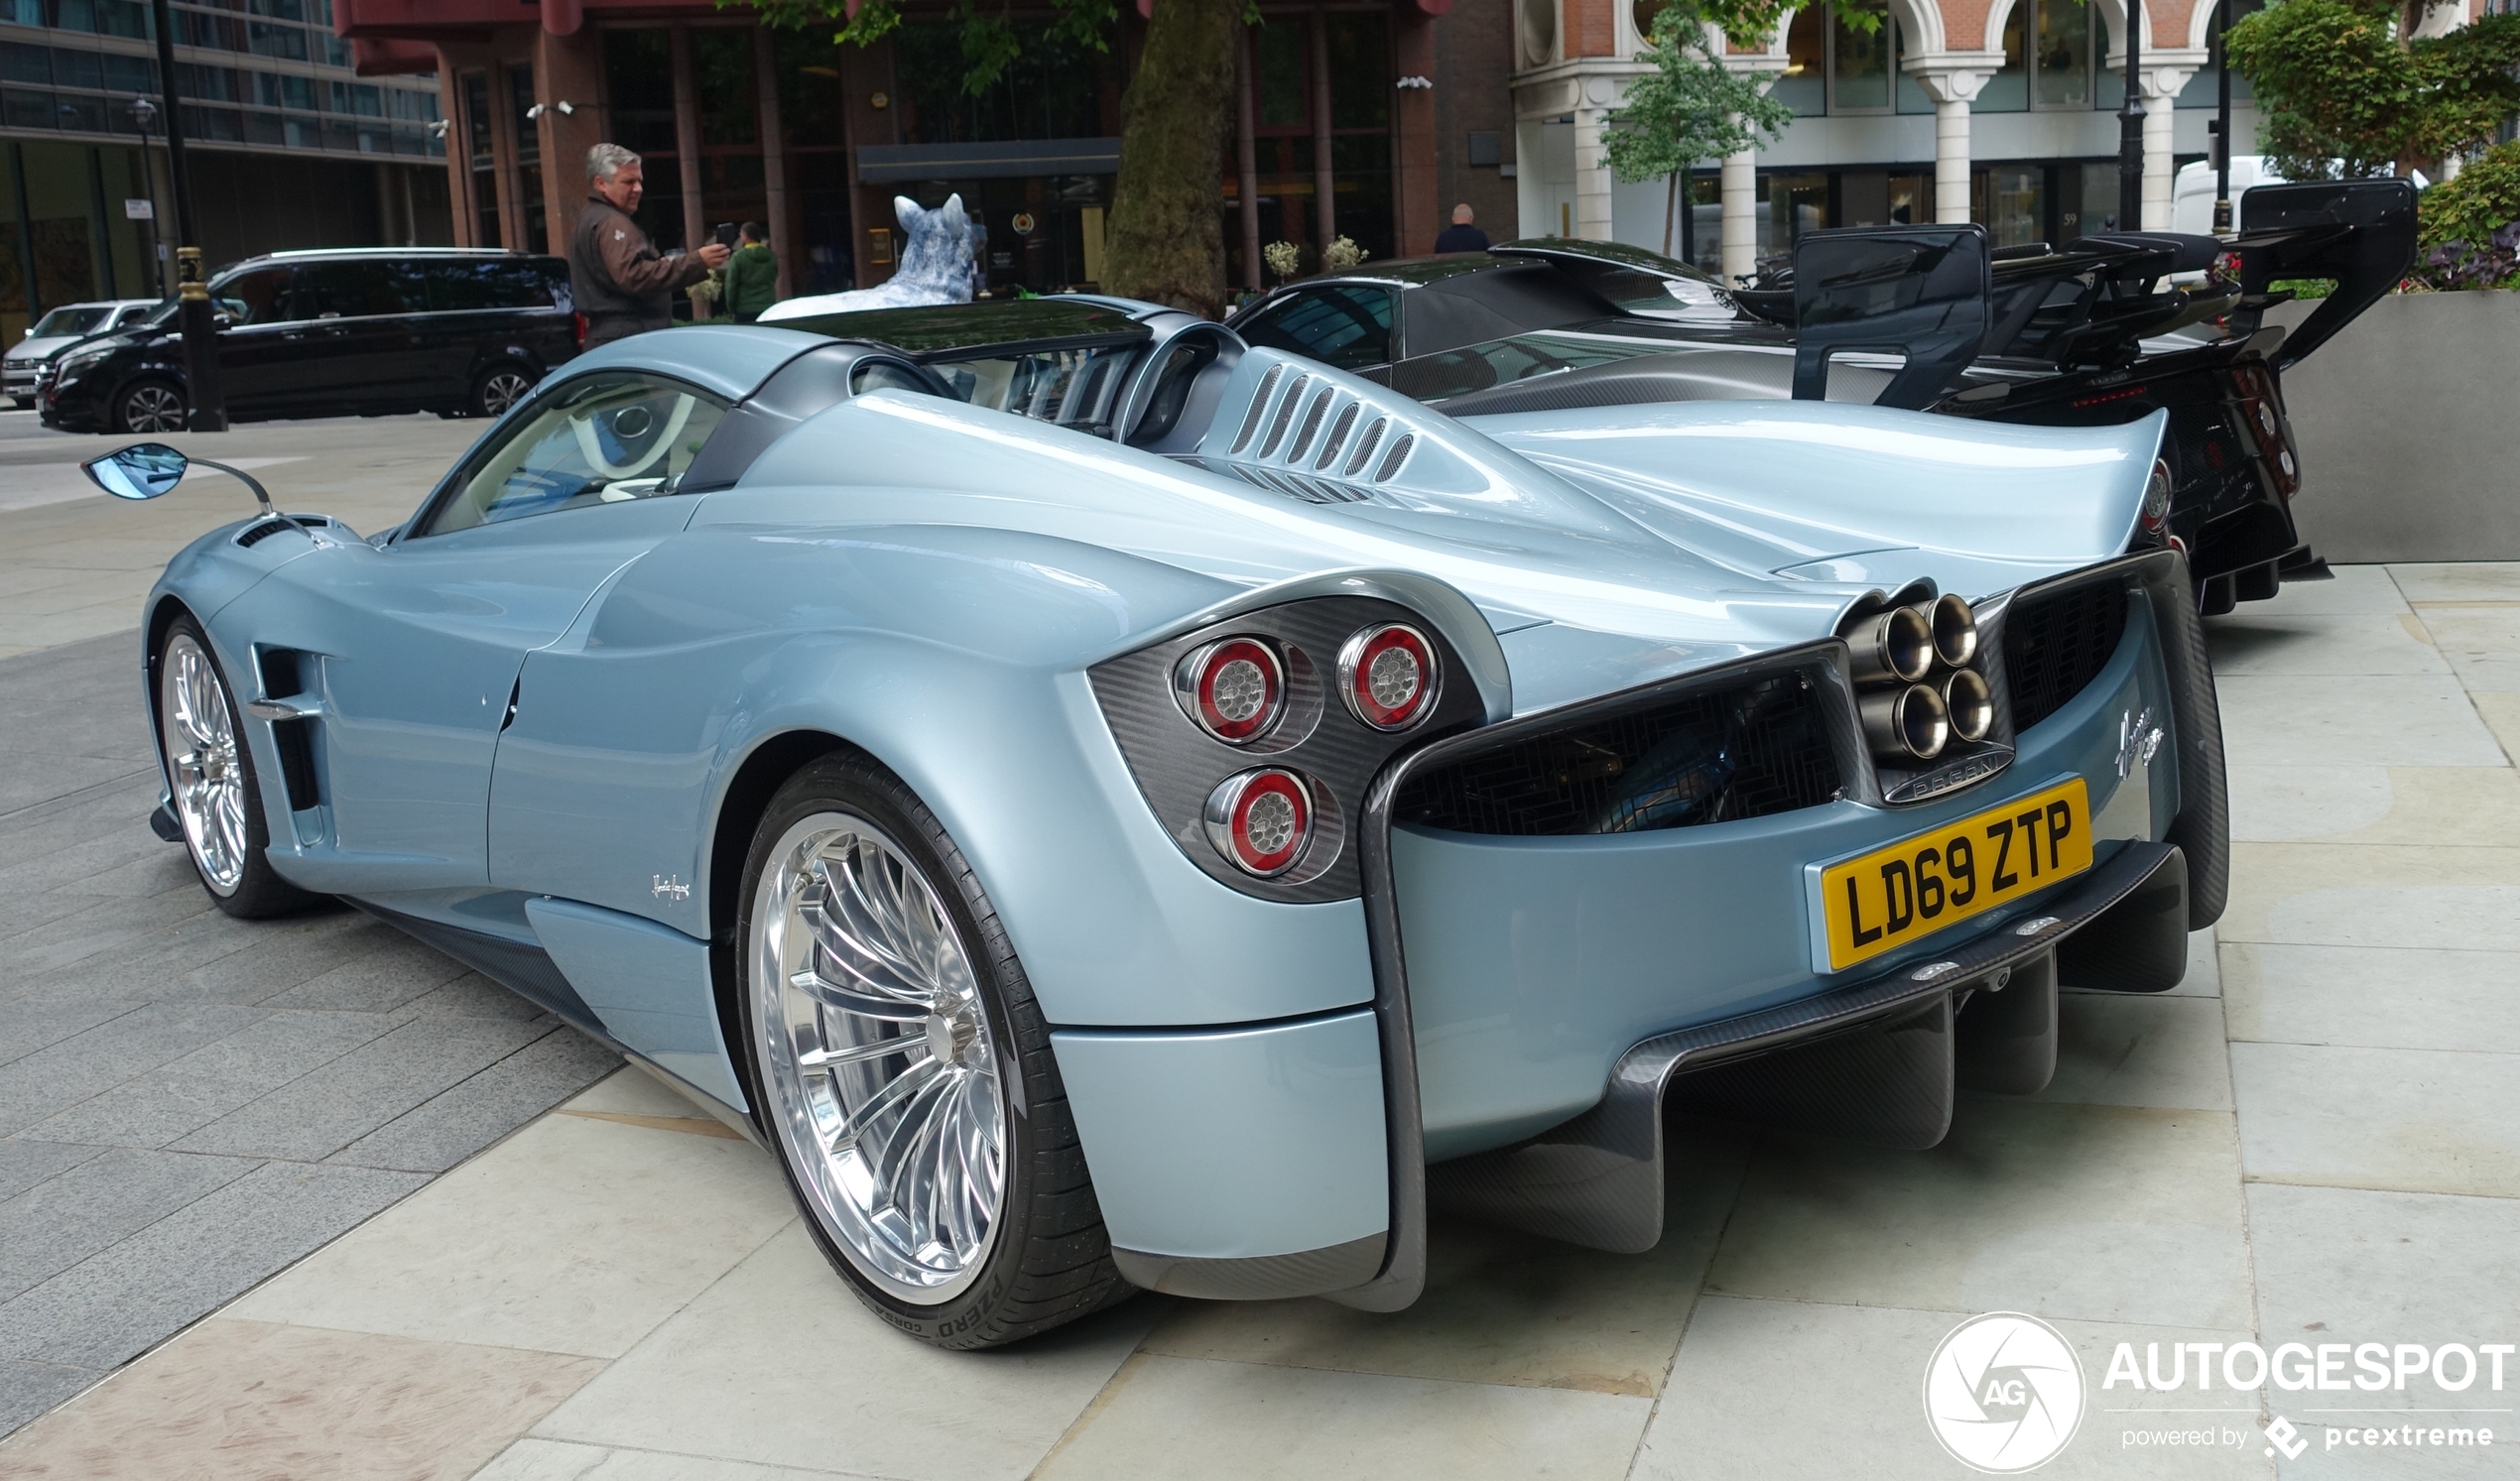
(1000, 161)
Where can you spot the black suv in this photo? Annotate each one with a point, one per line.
(357, 332)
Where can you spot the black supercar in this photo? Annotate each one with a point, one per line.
(2099, 331)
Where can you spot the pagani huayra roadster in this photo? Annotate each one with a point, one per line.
(1119, 808)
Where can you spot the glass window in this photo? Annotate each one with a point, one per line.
(457, 287)
(882, 375)
(75, 320)
(2064, 54)
(2009, 91)
(1803, 84)
(287, 42)
(20, 63)
(260, 297)
(363, 289)
(1348, 327)
(77, 68)
(1859, 72)
(601, 440)
(2017, 205)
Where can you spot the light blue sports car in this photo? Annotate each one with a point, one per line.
(1112, 808)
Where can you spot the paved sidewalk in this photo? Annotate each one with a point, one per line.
(74, 563)
(189, 1103)
(2319, 1132)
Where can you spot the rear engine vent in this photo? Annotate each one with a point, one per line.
(1759, 748)
(2055, 643)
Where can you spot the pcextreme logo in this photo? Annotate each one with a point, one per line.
(2003, 1393)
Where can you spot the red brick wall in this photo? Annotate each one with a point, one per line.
(1474, 64)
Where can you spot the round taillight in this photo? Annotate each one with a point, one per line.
(1232, 688)
(1260, 820)
(1387, 675)
(2157, 490)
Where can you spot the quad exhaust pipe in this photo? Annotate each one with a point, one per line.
(1918, 692)
(1905, 724)
(1893, 645)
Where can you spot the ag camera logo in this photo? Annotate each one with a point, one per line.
(2003, 1393)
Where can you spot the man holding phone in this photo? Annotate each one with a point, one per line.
(752, 277)
(624, 287)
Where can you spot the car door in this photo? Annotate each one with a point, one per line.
(405, 657)
(357, 337)
(261, 343)
(1346, 325)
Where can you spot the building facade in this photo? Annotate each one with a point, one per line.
(1367, 119)
(2004, 112)
(286, 145)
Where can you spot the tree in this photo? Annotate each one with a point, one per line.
(1168, 208)
(1167, 241)
(2345, 86)
(1691, 106)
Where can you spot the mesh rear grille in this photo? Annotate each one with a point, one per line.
(1746, 752)
(2058, 642)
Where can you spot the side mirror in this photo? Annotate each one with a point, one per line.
(143, 470)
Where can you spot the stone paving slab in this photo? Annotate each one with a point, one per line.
(189, 1103)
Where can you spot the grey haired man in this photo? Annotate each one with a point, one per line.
(621, 284)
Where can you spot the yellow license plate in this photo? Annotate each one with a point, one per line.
(1892, 895)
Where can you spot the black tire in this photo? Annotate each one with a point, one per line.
(150, 405)
(1049, 1262)
(500, 387)
(257, 892)
(23, 403)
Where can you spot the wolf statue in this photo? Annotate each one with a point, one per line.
(940, 264)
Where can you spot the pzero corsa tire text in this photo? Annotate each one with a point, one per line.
(499, 388)
(149, 406)
(901, 1067)
(210, 772)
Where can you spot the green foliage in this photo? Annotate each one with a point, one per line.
(2341, 90)
(1691, 106)
(2483, 199)
(990, 41)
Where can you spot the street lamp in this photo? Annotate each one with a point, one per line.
(144, 114)
(2130, 127)
(205, 401)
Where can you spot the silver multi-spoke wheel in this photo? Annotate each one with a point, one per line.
(205, 769)
(502, 389)
(150, 406)
(878, 1057)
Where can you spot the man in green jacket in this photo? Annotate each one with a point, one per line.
(752, 277)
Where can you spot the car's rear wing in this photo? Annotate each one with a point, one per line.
(1922, 292)
(2358, 233)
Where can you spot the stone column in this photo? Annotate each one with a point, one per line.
(1592, 174)
(1740, 177)
(1952, 80)
(1740, 180)
(2160, 87)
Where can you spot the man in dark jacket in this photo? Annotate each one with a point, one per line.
(621, 285)
(752, 278)
(1461, 235)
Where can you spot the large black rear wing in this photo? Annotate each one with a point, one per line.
(1939, 296)
(2359, 232)
(1922, 292)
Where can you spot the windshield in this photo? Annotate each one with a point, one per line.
(79, 318)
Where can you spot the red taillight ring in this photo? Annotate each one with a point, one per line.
(1387, 675)
(2157, 493)
(1261, 820)
(1232, 688)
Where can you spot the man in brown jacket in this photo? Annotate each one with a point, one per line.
(621, 285)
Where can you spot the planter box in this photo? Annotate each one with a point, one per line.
(2408, 422)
